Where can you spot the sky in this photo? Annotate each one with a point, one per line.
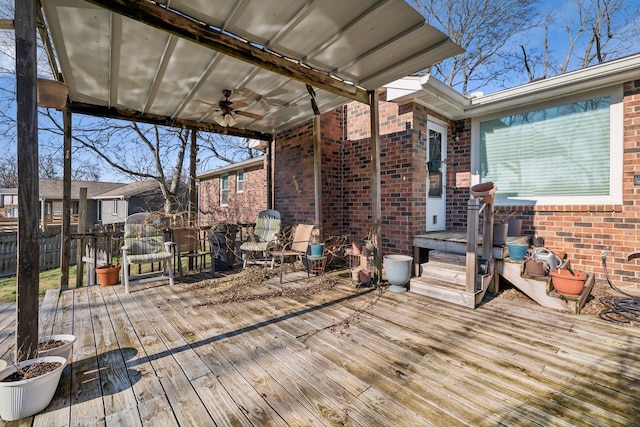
(559, 9)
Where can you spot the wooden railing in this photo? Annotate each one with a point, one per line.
(55, 220)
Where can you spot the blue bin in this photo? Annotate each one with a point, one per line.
(517, 251)
(317, 249)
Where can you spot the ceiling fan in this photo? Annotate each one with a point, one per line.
(224, 112)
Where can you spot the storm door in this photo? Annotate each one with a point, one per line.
(436, 149)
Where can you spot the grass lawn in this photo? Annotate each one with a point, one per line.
(49, 279)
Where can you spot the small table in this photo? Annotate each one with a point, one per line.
(315, 265)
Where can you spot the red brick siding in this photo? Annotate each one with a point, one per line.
(242, 207)
(584, 231)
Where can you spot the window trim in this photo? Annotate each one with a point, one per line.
(616, 150)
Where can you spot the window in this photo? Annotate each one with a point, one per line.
(224, 190)
(114, 210)
(240, 182)
(99, 211)
(570, 153)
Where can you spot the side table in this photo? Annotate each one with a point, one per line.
(315, 265)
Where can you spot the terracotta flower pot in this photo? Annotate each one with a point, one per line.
(108, 275)
(567, 284)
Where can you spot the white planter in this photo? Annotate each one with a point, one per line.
(63, 350)
(398, 271)
(21, 399)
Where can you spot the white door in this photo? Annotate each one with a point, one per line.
(436, 176)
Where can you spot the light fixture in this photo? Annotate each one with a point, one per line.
(225, 119)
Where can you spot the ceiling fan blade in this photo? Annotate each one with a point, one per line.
(244, 113)
(238, 104)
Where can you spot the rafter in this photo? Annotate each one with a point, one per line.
(156, 119)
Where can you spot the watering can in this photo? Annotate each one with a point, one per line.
(544, 254)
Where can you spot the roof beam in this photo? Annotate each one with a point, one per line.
(156, 119)
(182, 26)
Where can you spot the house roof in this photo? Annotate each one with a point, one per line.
(129, 190)
(52, 189)
(256, 161)
(169, 61)
(427, 91)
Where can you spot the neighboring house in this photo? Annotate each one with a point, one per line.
(8, 203)
(235, 193)
(107, 202)
(563, 152)
(115, 205)
(50, 195)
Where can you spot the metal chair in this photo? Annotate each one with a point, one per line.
(144, 243)
(296, 249)
(188, 243)
(263, 238)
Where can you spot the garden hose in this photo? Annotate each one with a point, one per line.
(624, 309)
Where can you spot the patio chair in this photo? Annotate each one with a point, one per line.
(263, 238)
(144, 243)
(296, 249)
(188, 243)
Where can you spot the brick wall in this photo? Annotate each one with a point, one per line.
(584, 231)
(242, 207)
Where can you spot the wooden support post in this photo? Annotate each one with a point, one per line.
(28, 257)
(82, 227)
(473, 208)
(376, 204)
(192, 177)
(317, 172)
(487, 232)
(65, 238)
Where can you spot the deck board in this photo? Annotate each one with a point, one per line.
(354, 357)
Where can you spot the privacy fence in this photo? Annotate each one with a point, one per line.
(49, 252)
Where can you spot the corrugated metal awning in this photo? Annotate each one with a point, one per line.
(173, 59)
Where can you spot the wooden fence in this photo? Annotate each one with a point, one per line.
(49, 252)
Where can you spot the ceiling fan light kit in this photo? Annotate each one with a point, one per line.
(224, 119)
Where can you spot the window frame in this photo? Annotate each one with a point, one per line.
(616, 149)
(240, 181)
(224, 178)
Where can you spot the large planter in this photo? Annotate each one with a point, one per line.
(567, 284)
(24, 398)
(63, 350)
(108, 274)
(398, 271)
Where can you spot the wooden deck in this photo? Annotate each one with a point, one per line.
(355, 357)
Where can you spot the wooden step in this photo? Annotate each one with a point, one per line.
(442, 290)
(540, 290)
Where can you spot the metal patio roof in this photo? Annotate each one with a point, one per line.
(169, 61)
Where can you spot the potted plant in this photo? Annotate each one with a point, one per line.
(108, 274)
(27, 387)
(56, 345)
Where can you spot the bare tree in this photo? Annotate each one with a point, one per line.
(9, 172)
(486, 29)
